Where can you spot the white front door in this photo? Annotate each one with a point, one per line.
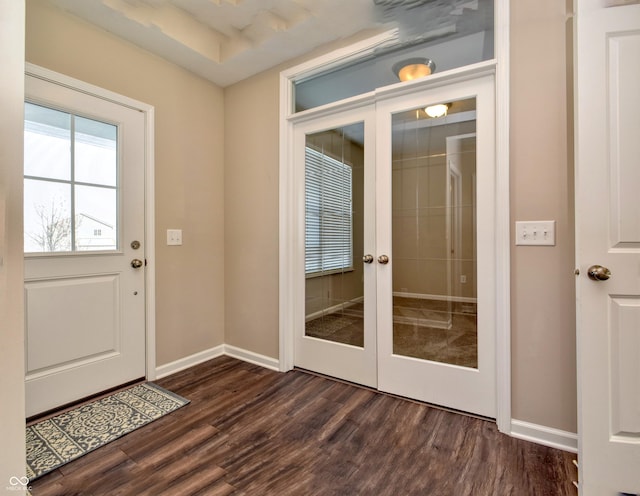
(84, 244)
(395, 282)
(608, 246)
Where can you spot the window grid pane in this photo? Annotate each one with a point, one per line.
(71, 182)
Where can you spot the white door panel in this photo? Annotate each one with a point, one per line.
(85, 303)
(608, 234)
(65, 340)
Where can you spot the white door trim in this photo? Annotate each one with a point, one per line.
(149, 202)
(288, 286)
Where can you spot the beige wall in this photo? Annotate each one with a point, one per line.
(543, 326)
(12, 413)
(251, 210)
(188, 167)
(542, 283)
(251, 214)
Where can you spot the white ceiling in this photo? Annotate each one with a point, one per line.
(226, 41)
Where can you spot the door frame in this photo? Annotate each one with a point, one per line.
(149, 200)
(289, 286)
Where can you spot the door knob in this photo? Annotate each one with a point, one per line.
(598, 273)
(367, 259)
(136, 264)
(383, 259)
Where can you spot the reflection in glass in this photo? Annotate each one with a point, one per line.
(453, 34)
(95, 157)
(47, 134)
(71, 199)
(334, 215)
(433, 234)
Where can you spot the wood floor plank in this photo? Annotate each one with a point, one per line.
(251, 431)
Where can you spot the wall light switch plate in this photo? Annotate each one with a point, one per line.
(174, 237)
(536, 233)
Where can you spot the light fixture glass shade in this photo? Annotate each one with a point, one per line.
(414, 68)
(438, 110)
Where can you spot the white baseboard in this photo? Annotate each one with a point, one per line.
(216, 351)
(547, 436)
(251, 357)
(189, 361)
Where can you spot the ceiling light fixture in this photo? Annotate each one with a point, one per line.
(413, 68)
(438, 110)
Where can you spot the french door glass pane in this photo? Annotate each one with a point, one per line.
(334, 228)
(433, 234)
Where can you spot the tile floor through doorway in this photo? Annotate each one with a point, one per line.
(435, 330)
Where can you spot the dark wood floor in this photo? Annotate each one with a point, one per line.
(251, 431)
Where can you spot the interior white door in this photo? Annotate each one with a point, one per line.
(608, 235)
(84, 244)
(436, 224)
(336, 289)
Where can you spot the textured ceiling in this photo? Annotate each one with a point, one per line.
(226, 41)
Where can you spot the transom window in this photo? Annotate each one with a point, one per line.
(70, 182)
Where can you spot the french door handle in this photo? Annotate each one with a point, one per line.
(383, 259)
(367, 259)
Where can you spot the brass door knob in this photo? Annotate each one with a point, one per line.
(367, 259)
(136, 264)
(598, 273)
(383, 259)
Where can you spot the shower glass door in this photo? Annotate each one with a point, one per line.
(436, 166)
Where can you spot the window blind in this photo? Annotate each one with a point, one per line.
(328, 214)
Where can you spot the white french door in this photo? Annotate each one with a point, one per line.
(336, 315)
(84, 233)
(435, 198)
(410, 308)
